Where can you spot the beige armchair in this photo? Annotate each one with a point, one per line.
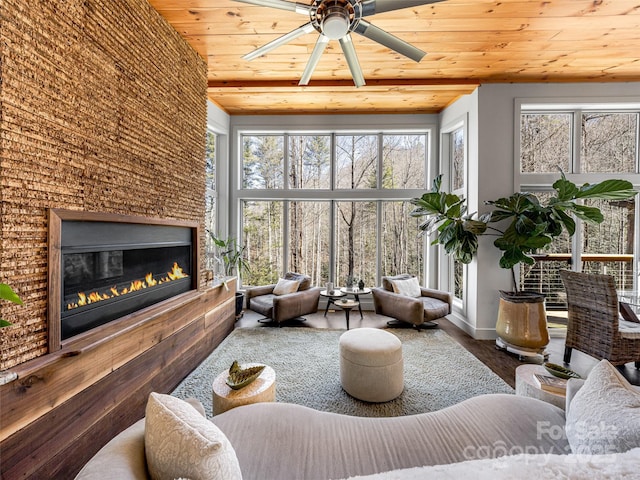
(280, 308)
(419, 311)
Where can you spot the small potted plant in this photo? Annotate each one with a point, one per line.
(234, 260)
(521, 223)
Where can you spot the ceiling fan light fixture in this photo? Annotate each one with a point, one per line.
(335, 24)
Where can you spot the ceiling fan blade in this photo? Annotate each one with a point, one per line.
(292, 35)
(281, 4)
(371, 7)
(376, 34)
(318, 50)
(352, 60)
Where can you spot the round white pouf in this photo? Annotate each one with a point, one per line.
(371, 365)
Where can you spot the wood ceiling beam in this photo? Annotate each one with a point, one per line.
(396, 82)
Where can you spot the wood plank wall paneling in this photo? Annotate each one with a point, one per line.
(103, 110)
(57, 444)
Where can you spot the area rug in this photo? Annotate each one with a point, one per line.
(438, 372)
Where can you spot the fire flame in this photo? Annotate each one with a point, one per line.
(93, 297)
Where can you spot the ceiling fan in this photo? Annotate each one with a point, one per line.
(335, 20)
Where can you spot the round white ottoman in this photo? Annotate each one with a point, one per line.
(371, 365)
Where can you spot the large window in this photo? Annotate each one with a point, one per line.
(263, 161)
(401, 246)
(309, 239)
(262, 235)
(309, 161)
(454, 170)
(356, 161)
(609, 142)
(331, 205)
(588, 145)
(210, 199)
(457, 154)
(545, 140)
(356, 234)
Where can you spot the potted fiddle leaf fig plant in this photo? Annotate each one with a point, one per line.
(7, 293)
(531, 224)
(522, 224)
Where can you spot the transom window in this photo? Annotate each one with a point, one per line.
(579, 142)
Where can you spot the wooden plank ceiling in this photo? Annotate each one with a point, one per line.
(468, 42)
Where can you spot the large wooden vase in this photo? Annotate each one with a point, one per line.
(522, 320)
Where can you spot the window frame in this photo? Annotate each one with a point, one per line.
(541, 182)
(447, 270)
(332, 194)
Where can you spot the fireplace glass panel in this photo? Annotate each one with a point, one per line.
(110, 270)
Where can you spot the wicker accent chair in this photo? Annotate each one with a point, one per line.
(594, 324)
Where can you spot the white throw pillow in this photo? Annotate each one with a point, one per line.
(541, 466)
(286, 286)
(604, 415)
(180, 442)
(409, 287)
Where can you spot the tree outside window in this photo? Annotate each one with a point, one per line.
(263, 161)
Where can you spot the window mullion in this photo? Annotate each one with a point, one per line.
(576, 154)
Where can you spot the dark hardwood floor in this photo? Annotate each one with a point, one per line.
(502, 363)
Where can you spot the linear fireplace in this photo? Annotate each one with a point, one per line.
(103, 266)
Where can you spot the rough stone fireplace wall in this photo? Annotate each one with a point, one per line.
(104, 110)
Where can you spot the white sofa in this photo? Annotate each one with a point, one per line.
(491, 436)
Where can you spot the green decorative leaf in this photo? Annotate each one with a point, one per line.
(524, 225)
(7, 293)
(514, 256)
(429, 204)
(588, 214)
(607, 190)
(537, 242)
(498, 215)
(477, 227)
(567, 221)
(516, 203)
(566, 190)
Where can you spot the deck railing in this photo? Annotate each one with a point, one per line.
(543, 275)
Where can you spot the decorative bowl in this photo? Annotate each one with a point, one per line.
(242, 376)
(560, 371)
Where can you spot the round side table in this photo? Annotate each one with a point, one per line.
(346, 305)
(331, 298)
(356, 292)
(526, 385)
(262, 389)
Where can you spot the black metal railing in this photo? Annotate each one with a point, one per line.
(543, 275)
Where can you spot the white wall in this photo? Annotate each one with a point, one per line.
(217, 120)
(220, 122)
(492, 135)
